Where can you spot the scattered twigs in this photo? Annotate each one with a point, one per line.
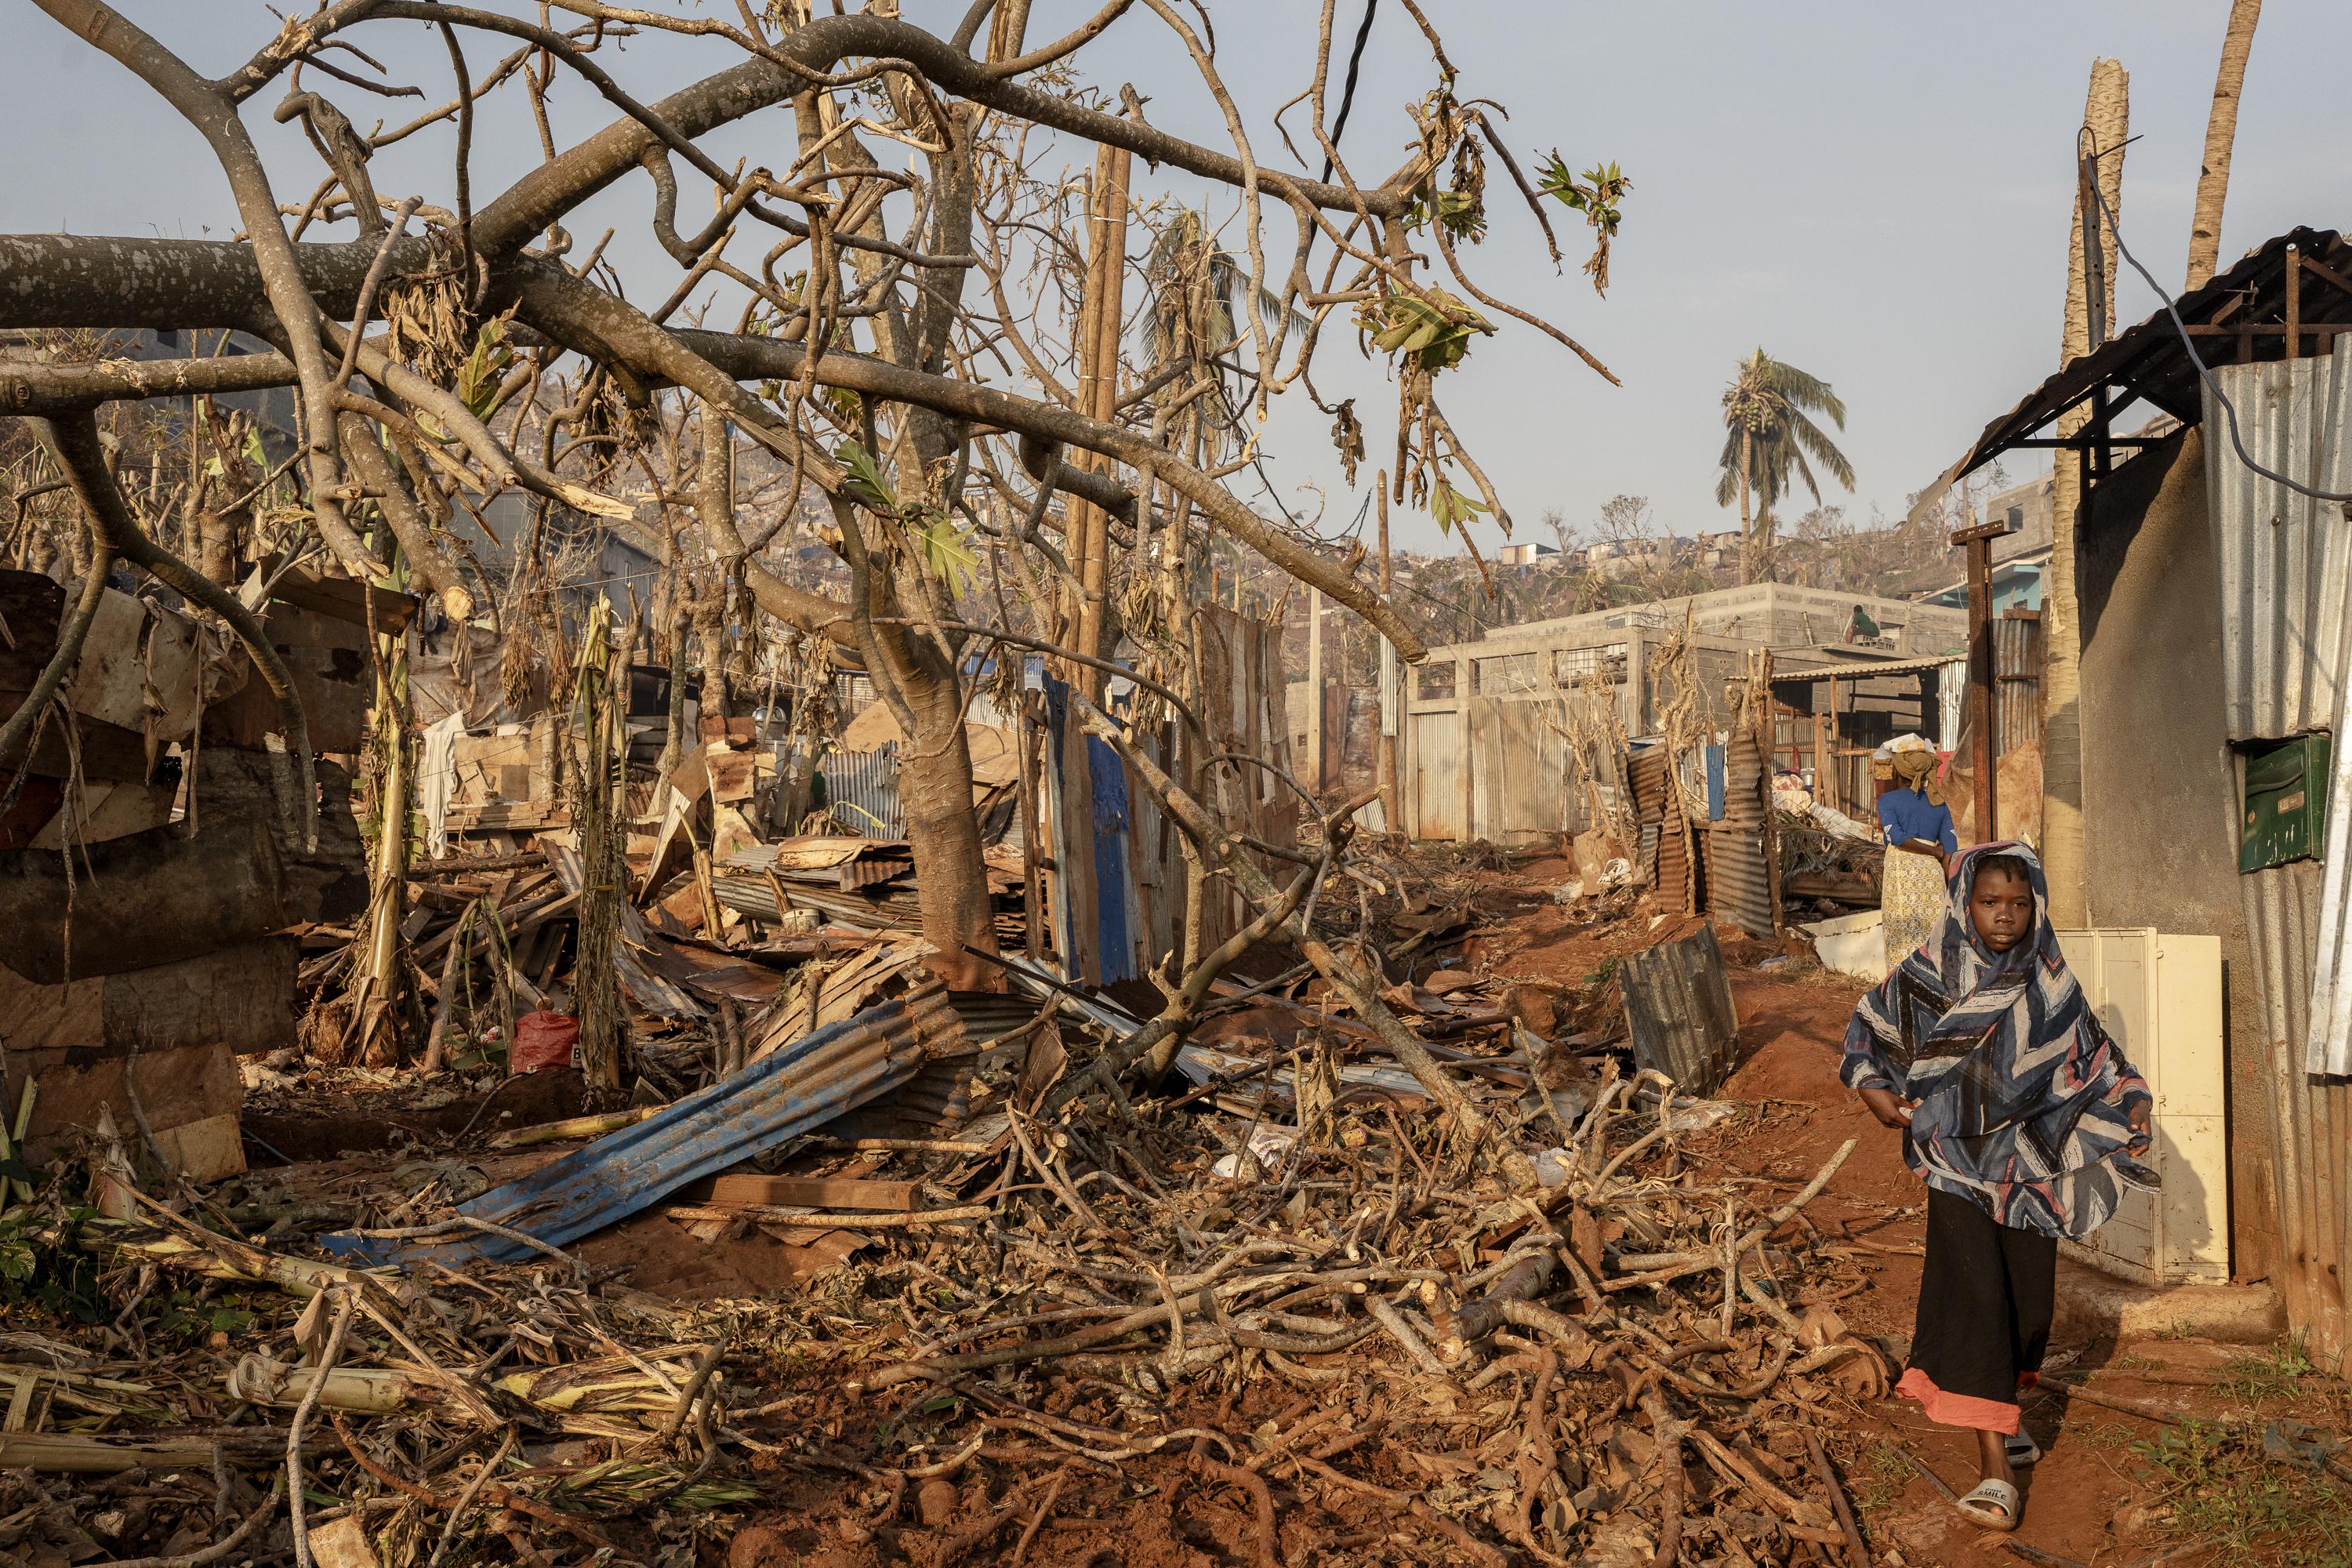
(466, 1498)
(1261, 1500)
(218, 1549)
(1856, 1550)
(295, 1495)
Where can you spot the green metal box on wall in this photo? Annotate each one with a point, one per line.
(2286, 812)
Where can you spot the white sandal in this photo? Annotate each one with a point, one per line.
(2022, 1450)
(1992, 1506)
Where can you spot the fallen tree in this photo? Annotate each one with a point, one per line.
(429, 366)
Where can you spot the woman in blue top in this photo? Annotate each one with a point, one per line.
(1919, 835)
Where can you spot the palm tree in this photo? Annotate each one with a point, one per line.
(2220, 132)
(1768, 437)
(1196, 292)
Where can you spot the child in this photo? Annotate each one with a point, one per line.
(2018, 1111)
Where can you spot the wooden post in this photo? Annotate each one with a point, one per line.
(1315, 739)
(1088, 538)
(1771, 834)
(1821, 763)
(2293, 301)
(1979, 544)
(1392, 705)
(1462, 678)
(1825, 764)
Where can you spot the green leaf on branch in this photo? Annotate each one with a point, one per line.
(867, 481)
(1598, 195)
(945, 554)
(1412, 327)
(485, 367)
(1450, 506)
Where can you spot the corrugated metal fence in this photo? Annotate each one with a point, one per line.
(2286, 572)
(1738, 879)
(2017, 681)
(862, 791)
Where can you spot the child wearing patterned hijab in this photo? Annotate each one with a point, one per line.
(2020, 1114)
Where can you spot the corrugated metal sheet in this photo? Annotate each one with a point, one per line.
(2327, 1041)
(862, 791)
(895, 909)
(2311, 1164)
(787, 1092)
(1678, 1008)
(2285, 573)
(1743, 783)
(2017, 682)
(1738, 886)
(1654, 802)
(1738, 879)
(2285, 560)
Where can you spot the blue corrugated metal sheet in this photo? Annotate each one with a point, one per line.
(784, 1094)
(1112, 882)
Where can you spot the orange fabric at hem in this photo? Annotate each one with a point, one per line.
(1958, 1409)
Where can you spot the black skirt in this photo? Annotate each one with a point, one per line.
(1985, 1302)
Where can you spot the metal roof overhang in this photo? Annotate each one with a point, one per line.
(1866, 670)
(2236, 317)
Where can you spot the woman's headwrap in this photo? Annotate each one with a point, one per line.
(2024, 1099)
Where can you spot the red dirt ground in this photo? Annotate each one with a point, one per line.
(2090, 1502)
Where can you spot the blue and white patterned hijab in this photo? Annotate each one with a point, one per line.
(2024, 1100)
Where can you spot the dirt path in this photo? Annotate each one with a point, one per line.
(2112, 1487)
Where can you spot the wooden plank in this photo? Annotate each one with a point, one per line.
(816, 1193)
(338, 598)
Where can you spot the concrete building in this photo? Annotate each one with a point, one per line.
(1779, 616)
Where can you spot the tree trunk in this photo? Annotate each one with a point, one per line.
(2106, 113)
(1747, 540)
(935, 795)
(385, 973)
(2220, 136)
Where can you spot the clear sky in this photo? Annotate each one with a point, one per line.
(1877, 193)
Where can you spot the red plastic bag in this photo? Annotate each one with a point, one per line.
(542, 1040)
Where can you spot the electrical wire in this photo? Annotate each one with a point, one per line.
(2189, 346)
(1348, 93)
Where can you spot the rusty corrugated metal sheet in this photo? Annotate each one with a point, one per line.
(1743, 782)
(890, 908)
(886, 862)
(2285, 560)
(1738, 879)
(1678, 1009)
(2017, 682)
(2312, 1117)
(1655, 802)
(1738, 886)
(788, 1091)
